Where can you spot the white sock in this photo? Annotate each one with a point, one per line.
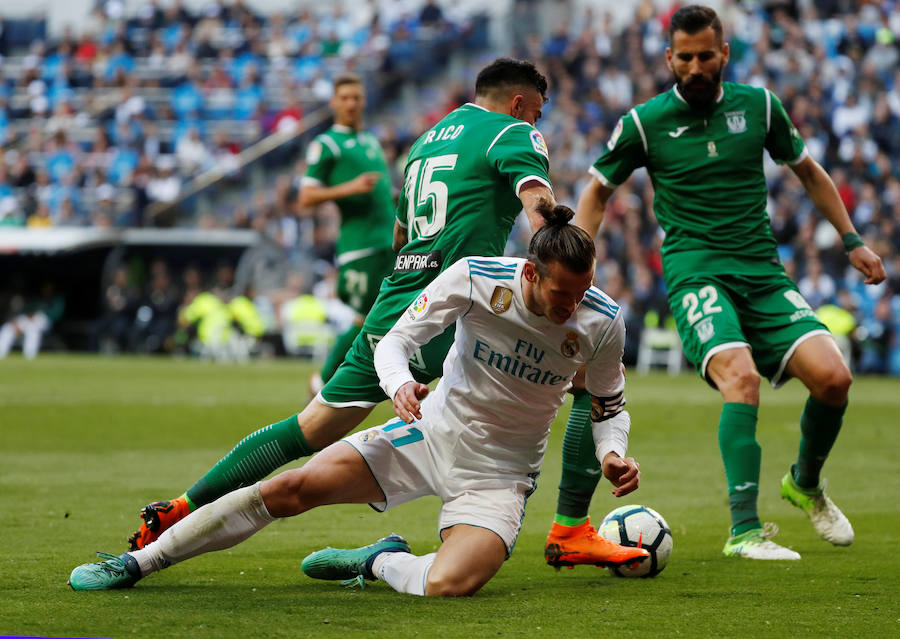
(403, 571)
(222, 524)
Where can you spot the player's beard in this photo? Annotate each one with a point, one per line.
(700, 92)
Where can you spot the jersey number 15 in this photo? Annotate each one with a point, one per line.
(420, 189)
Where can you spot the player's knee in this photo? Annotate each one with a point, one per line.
(741, 384)
(440, 584)
(747, 379)
(283, 495)
(834, 386)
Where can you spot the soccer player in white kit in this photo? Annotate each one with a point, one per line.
(524, 327)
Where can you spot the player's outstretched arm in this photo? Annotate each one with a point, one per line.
(623, 472)
(823, 193)
(592, 206)
(407, 399)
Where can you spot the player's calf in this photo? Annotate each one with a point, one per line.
(469, 557)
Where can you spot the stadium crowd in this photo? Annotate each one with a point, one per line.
(164, 94)
(96, 126)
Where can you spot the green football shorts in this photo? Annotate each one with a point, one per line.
(716, 312)
(355, 383)
(359, 281)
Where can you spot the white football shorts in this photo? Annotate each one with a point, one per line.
(411, 461)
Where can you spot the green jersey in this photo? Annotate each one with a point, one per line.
(339, 155)
(707, 173)
(459, 198)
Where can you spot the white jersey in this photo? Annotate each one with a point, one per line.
(507, 372)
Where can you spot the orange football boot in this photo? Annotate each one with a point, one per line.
(158, 517)
(576, 545)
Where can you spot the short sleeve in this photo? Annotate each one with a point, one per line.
(625, 152)
(320, 160)
(783, 140)
(520, 154)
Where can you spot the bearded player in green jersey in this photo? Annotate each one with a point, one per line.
(346, 165)
(737, 312)
(465, 183)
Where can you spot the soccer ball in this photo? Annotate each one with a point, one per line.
(641, 527)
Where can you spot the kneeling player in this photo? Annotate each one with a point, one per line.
(523, 329)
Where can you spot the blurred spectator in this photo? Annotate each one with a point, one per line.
(164, 185)
(191, 153)
(113, 331)
(817, 287)
(304, 321)
(155, 319)
(35, 319)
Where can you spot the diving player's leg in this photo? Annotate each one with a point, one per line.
(818, 363)
(338, 475)
(341, 406)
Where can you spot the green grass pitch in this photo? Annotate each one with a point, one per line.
(85, 442)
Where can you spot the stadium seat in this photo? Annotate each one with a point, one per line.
(659, 347)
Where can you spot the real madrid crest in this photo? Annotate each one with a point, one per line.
(501, 299)
(570, 345)
(367, 436)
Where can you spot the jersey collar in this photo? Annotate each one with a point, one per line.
(477, 106)
(678, 95)
(343, 128)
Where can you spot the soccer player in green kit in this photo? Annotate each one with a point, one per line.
(346, 165)
(739, 316)
(465, 183)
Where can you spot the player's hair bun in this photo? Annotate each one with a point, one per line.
(559, 241)
(555, 215)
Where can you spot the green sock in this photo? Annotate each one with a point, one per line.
(341, 346)
(819, 428)
(580, 468)
(255, 456)
(742, 457)
(190, 502)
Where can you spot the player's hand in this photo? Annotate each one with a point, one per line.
(364, 182)
(868, 263)
(406, 401)
(623, 473)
